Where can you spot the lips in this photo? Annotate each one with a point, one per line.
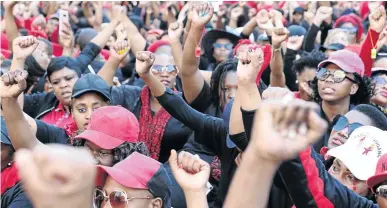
(328, 90)
(66, 94)
(165, 82)
(383, 93)
(337, 141)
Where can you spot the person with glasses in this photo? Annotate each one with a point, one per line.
(158, 129)
(340, 84)
(379, 98)
(138, 182)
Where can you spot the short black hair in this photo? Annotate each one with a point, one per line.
(363, 94)
(378, 118)
(121, 152)
(48, 44)
(310, 60)
(61, 62)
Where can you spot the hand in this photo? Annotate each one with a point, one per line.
(202, 14)
(382, 39)
(309, 17)
(276, 93)
(66, 37)
(8, 5)
(279, 35)
(249, 64)
(264, 20)
(175, 31)
(144, 61)
(48, 184)
(378, 19)
(290, 126)
(121, 32)
(117, 13)
(119, 50)
(222, 11)
(276, 16)
(323, 13)
(295, 42)
(236, 12)
(189, 170)
(22, 47)
(13, 83)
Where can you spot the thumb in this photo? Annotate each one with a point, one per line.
(173, 161)
(28, 169)
(21, 79)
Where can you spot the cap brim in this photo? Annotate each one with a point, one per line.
(5, 139)
(210, 37)
(340, 64)
(361, 167)
(100, 139)
(75, 95)
(376, 179)
(121, 177)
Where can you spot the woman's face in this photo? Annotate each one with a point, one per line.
(228, 90)
(341, 173)
(83, 106)
(101, 156)
(222, 49)
(340, 37)
(62, 82)
(304, 78)
(330, 91)
(380, 93)
(165, 70)
(41, 55)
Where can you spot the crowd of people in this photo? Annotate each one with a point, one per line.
(191, 104)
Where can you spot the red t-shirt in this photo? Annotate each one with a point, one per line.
(58, 117)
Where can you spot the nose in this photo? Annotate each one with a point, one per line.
(63, 84)
(344, 132)
(329, 79)
(88, 114)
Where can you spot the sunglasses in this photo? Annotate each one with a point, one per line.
(350, 30)
(117, 198)
(227, 46)
(157, 69)
(380, 81)
(341, 122)
(337, 75)
(381, 191)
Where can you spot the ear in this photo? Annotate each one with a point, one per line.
(354, 89)
(156, 203)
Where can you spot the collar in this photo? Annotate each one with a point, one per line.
(60, 107)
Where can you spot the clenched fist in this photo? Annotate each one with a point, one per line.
(144, 62)
(13, 83)
(22, 47)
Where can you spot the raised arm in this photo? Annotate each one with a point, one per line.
(117, 53)
(11, 31)
(277, 76)
(175, 31)
(268, 147)
(136, 40)
(191, 77)
(12, 84)
(212, 130)
(323, 14)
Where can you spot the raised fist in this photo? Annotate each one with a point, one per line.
(13, 83)
(144, 62)
(119, 50)
(323, 13)
(279, 35)
(378, 19)
(175, 30)
(250, 62)
(264, 20)
(22, 47)
(202, 14)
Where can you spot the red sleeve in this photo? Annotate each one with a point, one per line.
(266, 61)
(365, 52)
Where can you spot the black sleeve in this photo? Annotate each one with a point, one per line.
(87, 56)
(248, 119)
(310, 38)
(203, 100)
(15, 197)
(324, 32)
(32, 102)
(209, 131)
(290, 75)
(240, 140)
(47, 133)
(125, 95)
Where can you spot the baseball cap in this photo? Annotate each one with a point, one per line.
(111, 126)
(91, 83)
(362, 151)
(335, 46)
(296, 30)
(380, 173)
(4, 133)
(347, 60)
(138, 171)
(299, 10)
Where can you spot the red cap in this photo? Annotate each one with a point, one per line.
(157, 44)
(138, 171)
(347, 60)
(110, 127)
(380, 174)
(155, 31)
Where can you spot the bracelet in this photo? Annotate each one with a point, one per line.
(276, 49)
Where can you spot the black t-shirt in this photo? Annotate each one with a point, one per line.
(47, 133)
(176, 133)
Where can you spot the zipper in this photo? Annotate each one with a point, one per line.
(44, 112)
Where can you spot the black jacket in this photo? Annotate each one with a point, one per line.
(15, 198)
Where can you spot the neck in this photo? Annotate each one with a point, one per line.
(331, 109)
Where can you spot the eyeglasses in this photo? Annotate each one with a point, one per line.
(102, 155)
(381, 191)
(227, 46)
(157, 69)
(337, 75)
(117, 199)
(380, 81)
(350, 30)
(341, 122)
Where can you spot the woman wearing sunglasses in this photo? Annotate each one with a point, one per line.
(158, 130)
(379, 98)
(340, 84)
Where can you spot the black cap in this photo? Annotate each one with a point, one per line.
(91, 83)
(299, 10)
(4, 133)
